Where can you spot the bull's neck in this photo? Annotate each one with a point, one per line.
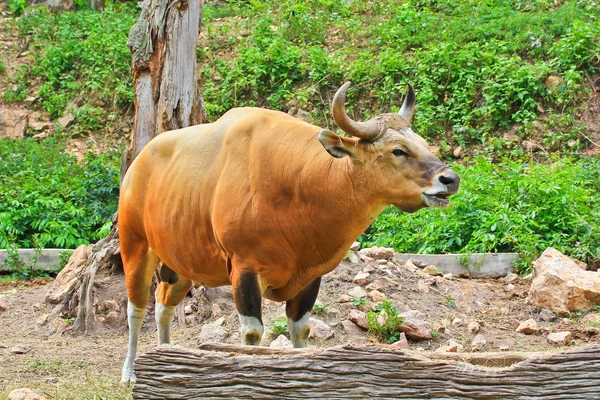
(346, 194)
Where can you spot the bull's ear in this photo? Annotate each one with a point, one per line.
(335, 145)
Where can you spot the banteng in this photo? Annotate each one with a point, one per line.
(266, 203)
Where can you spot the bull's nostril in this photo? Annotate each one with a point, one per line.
(449, 178)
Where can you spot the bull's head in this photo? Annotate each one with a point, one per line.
(397, 162)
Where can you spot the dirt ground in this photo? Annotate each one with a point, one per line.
(63, 366)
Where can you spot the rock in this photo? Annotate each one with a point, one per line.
(448, 276)
(190, 319)
(112, 318)
(24, 394)
(423, 286)
(457, 322)
(592, 318)
(43, 319)
(355, 246)
(381, 262)
(359, 318)
(12, 123)
(375, 285)
(553, 82)
(439, 327)
(3, 306)
(366, 260)
(67, 278)
(561, 286)
(213, 332)
(415, 326)
(368, 269)
(432, 270)
(357, 292)
(479, 343)
(353, 258)
(419, 263)
(458, 152)
(216, 310)
(547, 315)
(529, 327)
(510, 287)
(188, 310)
(378, 253)
(530, 146)
(511, 278)
(376, 296)
(435, 150)
(282, 342)
(473, 327)
(345, 298)
(350, 328)
(66, 120)
(362, 278)
(559, 338)
(320, 330)
(19, 349)
(402, 343)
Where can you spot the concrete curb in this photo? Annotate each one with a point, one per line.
(48, 260)
(480, 265)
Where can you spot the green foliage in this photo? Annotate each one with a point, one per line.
(21, 270)
(506, 207)
(280, 326)
(450, 301)
(320, 308)
(358, 302)
(44, 191)
(384, 322)
(81, 56)
(17, 7)
(2, 68)
(477, 66)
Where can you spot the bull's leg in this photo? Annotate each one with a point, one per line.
(139, 266)
(247, 293)
(298, 310)
(168, 296)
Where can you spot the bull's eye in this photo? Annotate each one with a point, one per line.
(400, 153)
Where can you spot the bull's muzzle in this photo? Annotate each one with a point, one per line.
(444, 185)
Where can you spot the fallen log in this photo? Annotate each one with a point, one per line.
(360, 372)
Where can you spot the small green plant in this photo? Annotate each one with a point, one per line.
(63, 258)
(358, 302)
(435, 333)
(450, 301)
(2, 68)
(17, 7)
(320, 308)
(384, 322)
(20, 269)
(280, 326)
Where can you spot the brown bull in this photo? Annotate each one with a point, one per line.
(265, 203)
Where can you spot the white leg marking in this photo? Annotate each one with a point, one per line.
(299, 330)
(135, 319)
(164, 317)
(252, 330)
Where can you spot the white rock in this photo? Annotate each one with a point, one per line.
(362, 278)
(24, 394)
(213, 332)
(351, 328)
(378, 253)
(188, 310)
(560, 285)
(473, 327)
(355, 246)
(402, 343)
(357, 292)
(559, 338)
(528, 327)
(376, 296)
(282, 342)
(457, 322)
(19, 349)
(320, 330)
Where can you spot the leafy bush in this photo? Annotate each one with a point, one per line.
(506, 207)
(384, 322)
(17, 7)
(44, 191)
(477, 66)
(81, 58)
(280, 326)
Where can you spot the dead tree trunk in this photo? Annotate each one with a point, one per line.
(163, 45)
(364, 372)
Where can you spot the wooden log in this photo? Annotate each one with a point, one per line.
(360, 372)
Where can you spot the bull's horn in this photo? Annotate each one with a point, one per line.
(364, 130)
(408, 107)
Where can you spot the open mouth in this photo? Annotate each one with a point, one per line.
(437, 200)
